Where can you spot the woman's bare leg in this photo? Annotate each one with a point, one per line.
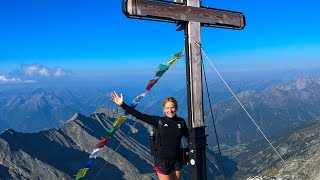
(163, 176)
(175, 175)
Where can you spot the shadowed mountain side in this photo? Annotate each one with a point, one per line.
(4, 173)
(34, 156)
(130, 148)
(299, 149)
(104, 170)
(275, 109)
(215, 168)
(132, 151)
(60, 153)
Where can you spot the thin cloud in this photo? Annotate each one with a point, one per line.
(34, 73)
(4, 79)
(30, 81)
(12, 80)
(40, 70)
(59, 72)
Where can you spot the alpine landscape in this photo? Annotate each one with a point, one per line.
(243, 75)
(287, 112)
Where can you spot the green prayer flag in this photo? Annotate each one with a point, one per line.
(110, 132)
(162, 69)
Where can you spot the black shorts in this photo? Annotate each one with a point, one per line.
(165, 167)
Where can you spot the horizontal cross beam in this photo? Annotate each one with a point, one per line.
(169, 11)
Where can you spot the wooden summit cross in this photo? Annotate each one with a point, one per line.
(193, 16)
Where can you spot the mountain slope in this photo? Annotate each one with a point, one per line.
(277, 108)
(60, 153)
(299, 148)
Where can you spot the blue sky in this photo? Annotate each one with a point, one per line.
(94, 40)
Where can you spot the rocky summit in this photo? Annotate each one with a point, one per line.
(60, 153)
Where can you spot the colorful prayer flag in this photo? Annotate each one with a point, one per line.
(95, 153)
(102, 142)
(162, 69)
(81, 173)
(110, 132)
(119, 120)
(175, 57)
(89, 163)
(137, 100)
(151, 83)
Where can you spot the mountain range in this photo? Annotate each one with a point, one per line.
(35, 109)
(275, 109)
(60, 152)
(41, 143)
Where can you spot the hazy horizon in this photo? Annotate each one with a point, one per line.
(93, 41)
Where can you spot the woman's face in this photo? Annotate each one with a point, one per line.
(169, 109)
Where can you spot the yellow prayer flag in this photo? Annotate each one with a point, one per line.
(119, 121)
(81, 173)
(175, 57)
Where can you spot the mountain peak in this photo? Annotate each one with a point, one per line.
(78, 116)
(247, 93)
(7, 131)
(304, 82)
(301, 83)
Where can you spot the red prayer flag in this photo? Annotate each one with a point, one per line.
(151, 83)
(102, 142)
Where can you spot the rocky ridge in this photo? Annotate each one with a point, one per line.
(60, 153)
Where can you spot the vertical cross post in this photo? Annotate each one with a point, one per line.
(194, 68)
(197, 139)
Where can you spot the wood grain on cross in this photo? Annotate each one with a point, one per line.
(194, 16)
(173, 12)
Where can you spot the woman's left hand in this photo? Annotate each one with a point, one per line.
(115, 98)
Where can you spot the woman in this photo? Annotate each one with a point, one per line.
(168, 155)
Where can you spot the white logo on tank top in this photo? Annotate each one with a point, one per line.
(179, 126)
(166, 125)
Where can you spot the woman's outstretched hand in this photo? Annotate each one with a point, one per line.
(115, 98)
